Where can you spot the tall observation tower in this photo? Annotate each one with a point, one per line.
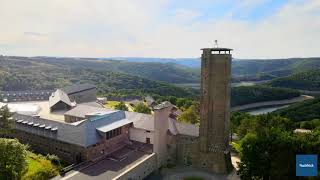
(215, 109)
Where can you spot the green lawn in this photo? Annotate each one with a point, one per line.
(39, 168)
(33, 165)
(111, 104)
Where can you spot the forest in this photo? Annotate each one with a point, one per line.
(118, 78)
(303, 111)
(306, 80)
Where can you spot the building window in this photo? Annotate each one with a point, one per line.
(113, 133)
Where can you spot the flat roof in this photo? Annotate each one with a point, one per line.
(114, 125)
(217, 49)
(37, 108)
(108, 168)
(81, 110)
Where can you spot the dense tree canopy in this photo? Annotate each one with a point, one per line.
(252, 94)
(307, 80)
(307, 110)
(190, 115)
(6, 122)
(12, 159)
(268, 146)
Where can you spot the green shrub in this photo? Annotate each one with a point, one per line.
(40, 167)
(142, 108)
(54, 159)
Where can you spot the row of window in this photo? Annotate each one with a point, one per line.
(113, 133)
(42, 142)
(25, 94)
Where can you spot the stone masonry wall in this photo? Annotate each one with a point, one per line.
(67, 152)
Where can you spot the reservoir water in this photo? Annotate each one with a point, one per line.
(265, 110)
(243, 83)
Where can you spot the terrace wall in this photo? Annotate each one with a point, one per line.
(140, 170)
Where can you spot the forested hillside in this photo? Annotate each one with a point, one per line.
(247, 69)
(167, 72)
(303, 111)
(272, 68)
(117, 78)
(32, 74)
(252, 94)
(307, 80)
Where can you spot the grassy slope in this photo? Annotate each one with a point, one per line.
(111, 104)
(39, 165)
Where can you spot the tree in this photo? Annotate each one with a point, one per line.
(12, 159)
(235, 120)
(121, 106)
(6, 122)
(142, 108)
(191, 115)
(173, 100)
(269, 147)
(181, 102)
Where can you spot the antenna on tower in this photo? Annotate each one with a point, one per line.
(215, 44)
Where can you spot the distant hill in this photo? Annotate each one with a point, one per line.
(117, 78)
(303, 111)
(307, 80)
(20, 73)
(188, 62)
(245, 69)
(272, 68)
(167, 72)
(187, 70)
(252, 94)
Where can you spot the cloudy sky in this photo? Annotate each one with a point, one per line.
(159, 28)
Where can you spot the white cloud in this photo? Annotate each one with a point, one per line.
(104, 28)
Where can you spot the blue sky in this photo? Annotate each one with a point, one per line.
(250, 10)
(159, 28)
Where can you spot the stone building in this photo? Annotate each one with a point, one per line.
(81, 92)
(206, 147)
(87, 132)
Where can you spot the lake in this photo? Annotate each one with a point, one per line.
(265, 110)
(243, 83)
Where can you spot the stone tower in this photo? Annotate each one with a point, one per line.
(161, 126)
(215, 109)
